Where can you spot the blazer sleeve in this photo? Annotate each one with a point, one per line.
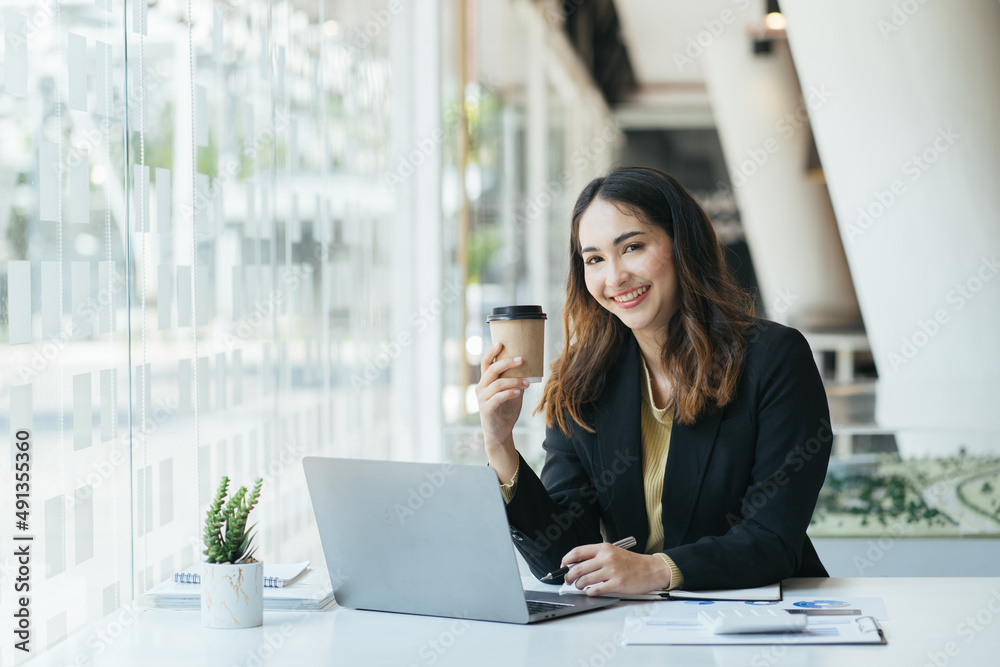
(764, 543)
(550, 516)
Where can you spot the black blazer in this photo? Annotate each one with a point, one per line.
(740, 484)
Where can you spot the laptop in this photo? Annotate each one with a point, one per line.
(420, 538)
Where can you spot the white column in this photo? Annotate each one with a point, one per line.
(911, 148)
(763, 124)
(416, 244)
(511, 126)
(537, 156)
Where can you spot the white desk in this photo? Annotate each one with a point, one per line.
(927, 617)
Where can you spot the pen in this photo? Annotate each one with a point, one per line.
(624, 543)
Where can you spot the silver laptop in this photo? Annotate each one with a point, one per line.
(421, 538)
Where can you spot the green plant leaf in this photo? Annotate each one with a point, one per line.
(226, 536)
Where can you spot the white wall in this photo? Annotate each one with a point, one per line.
(911, 139)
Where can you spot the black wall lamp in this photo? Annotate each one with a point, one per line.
(774, 26)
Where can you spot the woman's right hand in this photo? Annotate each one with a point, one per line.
(499, 407)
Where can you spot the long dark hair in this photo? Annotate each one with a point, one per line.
(707, 336)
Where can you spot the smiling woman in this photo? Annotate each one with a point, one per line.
(673, 414)
(691, 321)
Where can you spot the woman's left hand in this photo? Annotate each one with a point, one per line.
(608, 569)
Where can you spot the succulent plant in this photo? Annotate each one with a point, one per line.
(227, 538)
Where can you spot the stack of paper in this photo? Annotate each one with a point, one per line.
(312, 592)
(846, 620)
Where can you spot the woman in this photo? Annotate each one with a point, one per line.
(673, 415)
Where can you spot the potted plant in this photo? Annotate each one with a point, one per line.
(232, 580)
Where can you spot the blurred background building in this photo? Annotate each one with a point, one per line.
(239, 232)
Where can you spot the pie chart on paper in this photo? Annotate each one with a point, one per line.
(820, 604)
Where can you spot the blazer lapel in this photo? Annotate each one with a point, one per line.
(690, 449)
(619, 440)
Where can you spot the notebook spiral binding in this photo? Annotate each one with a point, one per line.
(195, 578)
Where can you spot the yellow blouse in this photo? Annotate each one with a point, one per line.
(656, 425)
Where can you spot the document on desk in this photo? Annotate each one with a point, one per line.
(770, 593)
(845, 620)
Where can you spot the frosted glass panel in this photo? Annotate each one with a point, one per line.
(167, 301)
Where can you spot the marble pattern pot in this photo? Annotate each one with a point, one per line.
(232, 596)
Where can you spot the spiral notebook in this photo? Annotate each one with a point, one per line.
(276, 575)
(312, 592)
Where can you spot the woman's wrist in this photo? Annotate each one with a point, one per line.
(504, 460)
(664, 573)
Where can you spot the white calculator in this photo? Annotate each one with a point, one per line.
(750, 620)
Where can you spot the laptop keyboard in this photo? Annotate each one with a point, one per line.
(535, 607)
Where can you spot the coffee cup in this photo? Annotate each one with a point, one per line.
(521, 329)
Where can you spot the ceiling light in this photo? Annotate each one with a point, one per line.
(775, 21)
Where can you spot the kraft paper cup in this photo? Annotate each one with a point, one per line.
(521, 329)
